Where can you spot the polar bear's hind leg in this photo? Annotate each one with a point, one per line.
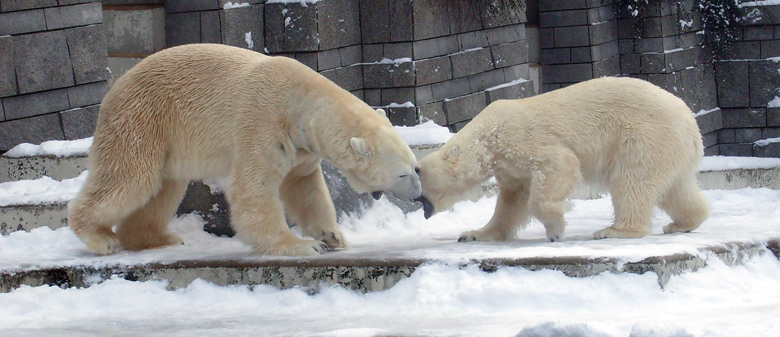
(146, 227)
(685, 204)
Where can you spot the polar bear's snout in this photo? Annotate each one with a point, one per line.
(407, 187)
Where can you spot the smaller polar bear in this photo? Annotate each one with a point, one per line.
(628, 135)
(202, 111)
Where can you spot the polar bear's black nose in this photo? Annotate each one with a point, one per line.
(376, 195)
(417, 170)
(428, 209)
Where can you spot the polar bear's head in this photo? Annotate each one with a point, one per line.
(448, 174)
(382, 161)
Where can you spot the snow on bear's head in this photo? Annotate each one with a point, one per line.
(382, 161)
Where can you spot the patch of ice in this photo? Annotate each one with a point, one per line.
(425, 133)
(230, 5)
(774, 103)
(40, 191)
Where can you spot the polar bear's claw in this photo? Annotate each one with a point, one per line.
(333, 240)
(101, 243)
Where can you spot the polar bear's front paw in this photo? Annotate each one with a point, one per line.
(101, 242)
(676, 228)
(611, 232)
(482, 235)
(333, 239)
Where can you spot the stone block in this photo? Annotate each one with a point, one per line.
(87, 47)
(38, 103)
(328, 59)
(684, 41)
(547, 87)
(681, 59)
(375, 20)
(176, 6)
(760, 15)
(752, 33)
(564, 18)
(767, 151)
(482, 81)
(449, 89)
(498, 15)
(373, 97)
(426, 12)
(397, 95)
(433, 112)
(630, 64)
(700, 87)
(464, 108)
(576, 36)
(607, 67)
(405, 116)
(744, 118)
(243, 27)
(308, 59)
(135, 31)
(510, 54)
(433, 70)
(388, 75)
(350, 77)
(435, 47)
(79, 123)
(210, 27)
(742, 50)
(15, 23)
(338, 23)
(511, 90)
(506, 34)
(471, 62)
(291, 27)
(770, 132)
(87, 94)
(726, 136)
(770, 49)
(517, 72)
(182, 28)
(579, 55)
(73, 16)
(33, 130)
(604, 51)
(561, 5)
(737, 150)
(398, 50)
(423, 94)
(359, 94)
(773, 117)
(710, 139)
(546, 38)
(764, 82)
(747, 135)
(600, 14)
(558, 55)
(42, 61)
(401, 20)
(712, 151)
(603, 32)
(465, 16)
(7, 73)
(471, 40)
(568, 73)
(652, 63)
(372, 52)
(733, 91)
(649, 45)
(350, 55)
(19, 5)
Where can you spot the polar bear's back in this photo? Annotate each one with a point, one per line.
(606, 120)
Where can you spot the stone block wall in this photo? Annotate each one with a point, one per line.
(52, 69)
(748, 79)
(419, 60)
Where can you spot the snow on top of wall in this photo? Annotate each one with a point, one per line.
(774, 103)
(425, 133)
(760, 3)
(301, 2)
(40, 191)
(59, 148)
(507, 84)
(230, 5)
(722, 163)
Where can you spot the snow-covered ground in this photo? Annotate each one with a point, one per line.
(439, 299)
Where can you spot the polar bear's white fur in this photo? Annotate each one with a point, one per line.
(637, 140)
(202, 111)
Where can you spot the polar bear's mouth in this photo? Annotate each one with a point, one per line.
(428, 209)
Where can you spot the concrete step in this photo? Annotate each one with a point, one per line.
(370, 273)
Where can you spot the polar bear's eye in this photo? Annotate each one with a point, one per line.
(403, 176)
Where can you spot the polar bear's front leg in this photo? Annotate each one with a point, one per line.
(308, 204)
(511, 212)
(258, 217)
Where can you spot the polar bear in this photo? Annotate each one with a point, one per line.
(203, 110)
(625, 134)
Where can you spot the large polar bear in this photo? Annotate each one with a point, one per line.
(628, 135)
(201, 111)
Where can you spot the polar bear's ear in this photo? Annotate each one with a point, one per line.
(360, 146)
(381, 112)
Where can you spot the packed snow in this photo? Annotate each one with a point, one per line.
(441, 299)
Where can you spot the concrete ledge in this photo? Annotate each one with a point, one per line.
(365, 274)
